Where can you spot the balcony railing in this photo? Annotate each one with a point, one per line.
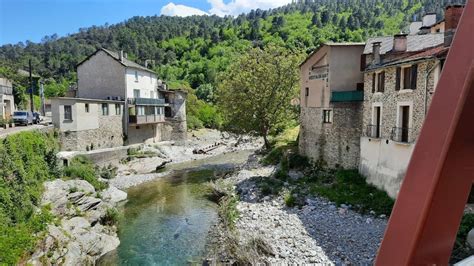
(147, 101)
(6, 90)
(347, 96)
(146, 119)
(401, 134)
(373, 131)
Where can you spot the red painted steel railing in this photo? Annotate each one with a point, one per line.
(426, 217)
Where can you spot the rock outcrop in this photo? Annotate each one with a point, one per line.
(78, 235)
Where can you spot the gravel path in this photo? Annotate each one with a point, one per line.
(318, 233)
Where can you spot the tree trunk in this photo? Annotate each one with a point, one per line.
(267, 142)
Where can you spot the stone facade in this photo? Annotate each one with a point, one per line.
(336, 144)
(109, 134)
(384, 159)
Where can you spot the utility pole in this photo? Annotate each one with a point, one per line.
(31, 88)
(42, 98)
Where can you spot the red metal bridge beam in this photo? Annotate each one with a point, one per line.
(426, 216)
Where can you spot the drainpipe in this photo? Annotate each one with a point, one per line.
(427, 76)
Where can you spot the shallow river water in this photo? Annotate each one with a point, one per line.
(167, 221)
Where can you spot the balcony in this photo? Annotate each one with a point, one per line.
(147, 101)
(373, 131)
(347, 96)
(146, 119)
(402, 135)
(4, 90)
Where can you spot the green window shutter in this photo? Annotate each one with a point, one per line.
(398, 77)
(414, 76)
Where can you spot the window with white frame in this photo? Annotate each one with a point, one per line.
(141, 110)
(105, 109)
(118, 109)
(67, 112)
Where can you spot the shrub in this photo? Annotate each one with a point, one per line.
(194, 122)
(108, 172)
(228, 210)
(111, 217)
(270, 186)
(82, 168)
(290, 200)
(273, 157)
(298, 162)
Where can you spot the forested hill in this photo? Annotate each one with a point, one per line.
(195, 49)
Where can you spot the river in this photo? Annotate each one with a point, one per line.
(167, 221)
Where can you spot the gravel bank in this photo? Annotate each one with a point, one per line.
(317, 233)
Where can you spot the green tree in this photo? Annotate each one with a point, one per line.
(257, 89)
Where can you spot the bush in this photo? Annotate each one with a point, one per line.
(194, 122)
(273, 157)
(228, 210)
(298, 162)
(209, 116)
(108, 172)
(111, 217)
(82, 168)
(290, 200)
(270, 186)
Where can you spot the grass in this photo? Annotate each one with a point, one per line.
(228, 211)
(83, 168)
(350, 188)
(111, 217)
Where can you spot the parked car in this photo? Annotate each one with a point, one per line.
(37, 118)
(23, 118)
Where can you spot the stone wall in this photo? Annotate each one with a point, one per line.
(108, 135)
(336, 143)
(384, 161)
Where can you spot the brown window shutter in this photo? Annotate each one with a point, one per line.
(382, 87)
(414, 76)
(373, 82)
(363, 60)
(398, 77)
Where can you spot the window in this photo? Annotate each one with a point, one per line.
(378, 82)
(401, 133)
(327, 116)
(307, 92)
(86, 107)
(67, 112)
(118, 109)
(406, 78)
(376, 122)
(141, 110)
(136, 93)
(105, 109)
(136, 76)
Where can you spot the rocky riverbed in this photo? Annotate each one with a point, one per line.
(319, 232)
(80, 233)
(141, 170)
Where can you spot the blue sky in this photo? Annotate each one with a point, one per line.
(22, 20)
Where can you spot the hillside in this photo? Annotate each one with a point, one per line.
(194, 50)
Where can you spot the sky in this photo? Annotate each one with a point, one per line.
(22, 20)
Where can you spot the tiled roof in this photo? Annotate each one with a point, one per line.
(414, 42)
(125, 61)
(437, 51)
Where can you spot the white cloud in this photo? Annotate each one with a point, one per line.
(180, 10)
(218, 7)
(236, 7)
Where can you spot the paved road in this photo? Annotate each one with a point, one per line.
(10, 131)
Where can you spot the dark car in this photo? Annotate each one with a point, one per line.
(23, 118)
(37, 118)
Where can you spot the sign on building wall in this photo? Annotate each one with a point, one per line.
(319, 72)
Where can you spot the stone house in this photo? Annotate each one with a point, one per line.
(401, 74)
(331, 97)
(151, 112)
(88, 124)
(7, 101)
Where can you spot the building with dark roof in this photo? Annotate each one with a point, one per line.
(400, 77)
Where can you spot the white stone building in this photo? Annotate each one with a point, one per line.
(7, 101)
(150, 113)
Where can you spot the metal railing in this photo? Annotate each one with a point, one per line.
(401, 134)
(373, 131)
(146, 101)
(6, 90)
(146, 119)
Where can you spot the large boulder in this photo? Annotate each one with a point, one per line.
(113, 195)
(470, 238)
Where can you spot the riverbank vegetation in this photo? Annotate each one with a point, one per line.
(27, 160)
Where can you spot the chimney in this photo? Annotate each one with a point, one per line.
(400, 42)
(121, 56)
(376, 52)
(452, 15)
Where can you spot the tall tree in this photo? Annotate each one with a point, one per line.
(257, 89)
